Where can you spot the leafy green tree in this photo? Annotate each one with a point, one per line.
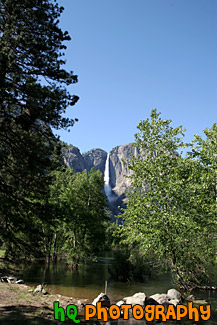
(33, 96)
(204, 152)
(82, 208)
(167, 218)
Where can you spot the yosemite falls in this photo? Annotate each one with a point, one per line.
(111, 165)
(107, 187)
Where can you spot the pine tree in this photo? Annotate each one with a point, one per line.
(33, 97)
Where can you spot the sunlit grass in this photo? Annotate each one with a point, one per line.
(2, 252)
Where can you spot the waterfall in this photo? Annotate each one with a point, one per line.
(107, 187)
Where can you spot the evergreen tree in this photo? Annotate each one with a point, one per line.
(33, 97)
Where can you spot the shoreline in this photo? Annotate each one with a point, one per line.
(18, 302)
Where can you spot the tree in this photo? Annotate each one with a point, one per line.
(165, 218)
(33, 96)
(81, 204)
(204, 151)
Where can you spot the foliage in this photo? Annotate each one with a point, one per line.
(2, 253)
(81, 205)
(33, 96)
(127, 266)
(171, 214)
(112, 240)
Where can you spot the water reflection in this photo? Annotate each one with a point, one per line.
(89, 281)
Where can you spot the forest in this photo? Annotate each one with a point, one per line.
(48, 211)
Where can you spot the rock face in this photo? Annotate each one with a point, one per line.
(94, 158)
(73, 159)
(118, 167)
(118, 170)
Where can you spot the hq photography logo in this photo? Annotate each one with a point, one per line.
(149, 312)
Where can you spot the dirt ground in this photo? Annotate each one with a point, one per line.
(19, 305)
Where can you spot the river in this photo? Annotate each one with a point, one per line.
(90, 279)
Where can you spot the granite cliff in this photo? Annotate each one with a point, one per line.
(117, 168)
(94, 158)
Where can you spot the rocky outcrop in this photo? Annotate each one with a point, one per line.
(104, 299)
(118, 170)
(95, 158)
(119, 156)
(74, 159)
(142, 299)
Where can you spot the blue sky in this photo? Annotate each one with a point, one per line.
(134, 55)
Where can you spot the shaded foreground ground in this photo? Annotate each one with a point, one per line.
(18, 305)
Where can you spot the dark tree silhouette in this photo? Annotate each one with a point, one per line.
(33, 97)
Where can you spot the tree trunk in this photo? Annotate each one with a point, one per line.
(54, 257)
